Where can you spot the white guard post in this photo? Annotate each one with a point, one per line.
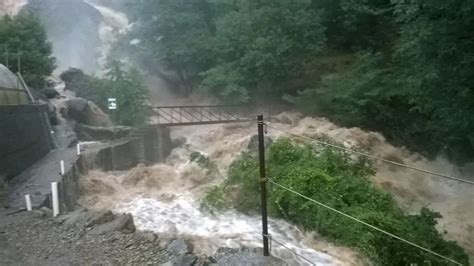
(54, 192)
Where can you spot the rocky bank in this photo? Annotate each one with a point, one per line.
(101, 238)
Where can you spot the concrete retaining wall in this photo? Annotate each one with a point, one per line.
(119, 155)
(25, 137)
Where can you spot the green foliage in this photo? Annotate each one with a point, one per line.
(412, 79)
(127, 86)
(262, 48)
(215, 200)
(352, 25)
(201, 159)
(418, 93)
(235, 49)
(25, 35)
(341, 182)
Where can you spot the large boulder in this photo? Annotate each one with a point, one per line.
(50, 93)
(87, 113)
(245, 256)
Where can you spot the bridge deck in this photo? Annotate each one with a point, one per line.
(197, 115)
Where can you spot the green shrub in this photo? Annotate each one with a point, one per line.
(215, 200)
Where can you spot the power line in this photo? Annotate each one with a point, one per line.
(373, 157)
(366, 224)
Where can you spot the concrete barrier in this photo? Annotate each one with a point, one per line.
(153, 146)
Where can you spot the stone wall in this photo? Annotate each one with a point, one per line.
(25, 137)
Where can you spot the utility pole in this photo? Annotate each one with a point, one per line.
(263, 185)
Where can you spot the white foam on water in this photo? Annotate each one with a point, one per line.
(182, 217)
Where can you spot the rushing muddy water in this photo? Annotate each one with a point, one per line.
(165, 198)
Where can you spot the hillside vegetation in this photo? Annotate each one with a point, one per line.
(124, 84)
(23, 42)
(400, 67)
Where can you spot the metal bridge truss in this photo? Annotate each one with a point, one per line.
(197, 115)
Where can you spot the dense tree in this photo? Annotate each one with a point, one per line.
(421, 93)
(173, 34)
(400, 67)
(262, 47)
(24, 35)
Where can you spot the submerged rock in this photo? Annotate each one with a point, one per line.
(253, 143)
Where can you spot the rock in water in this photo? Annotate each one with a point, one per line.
(253, 143)
(178, 142)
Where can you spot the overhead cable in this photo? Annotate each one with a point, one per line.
(372, 156)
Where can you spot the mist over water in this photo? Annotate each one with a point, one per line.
(11, 7)
(112, 25)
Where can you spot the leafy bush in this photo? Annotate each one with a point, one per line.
(204, 162)
(127, 86)
(215, 200)
(342, 182)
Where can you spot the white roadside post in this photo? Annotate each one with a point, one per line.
(78, 149)
(62, 168)
(54, 192)
(28, 203)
